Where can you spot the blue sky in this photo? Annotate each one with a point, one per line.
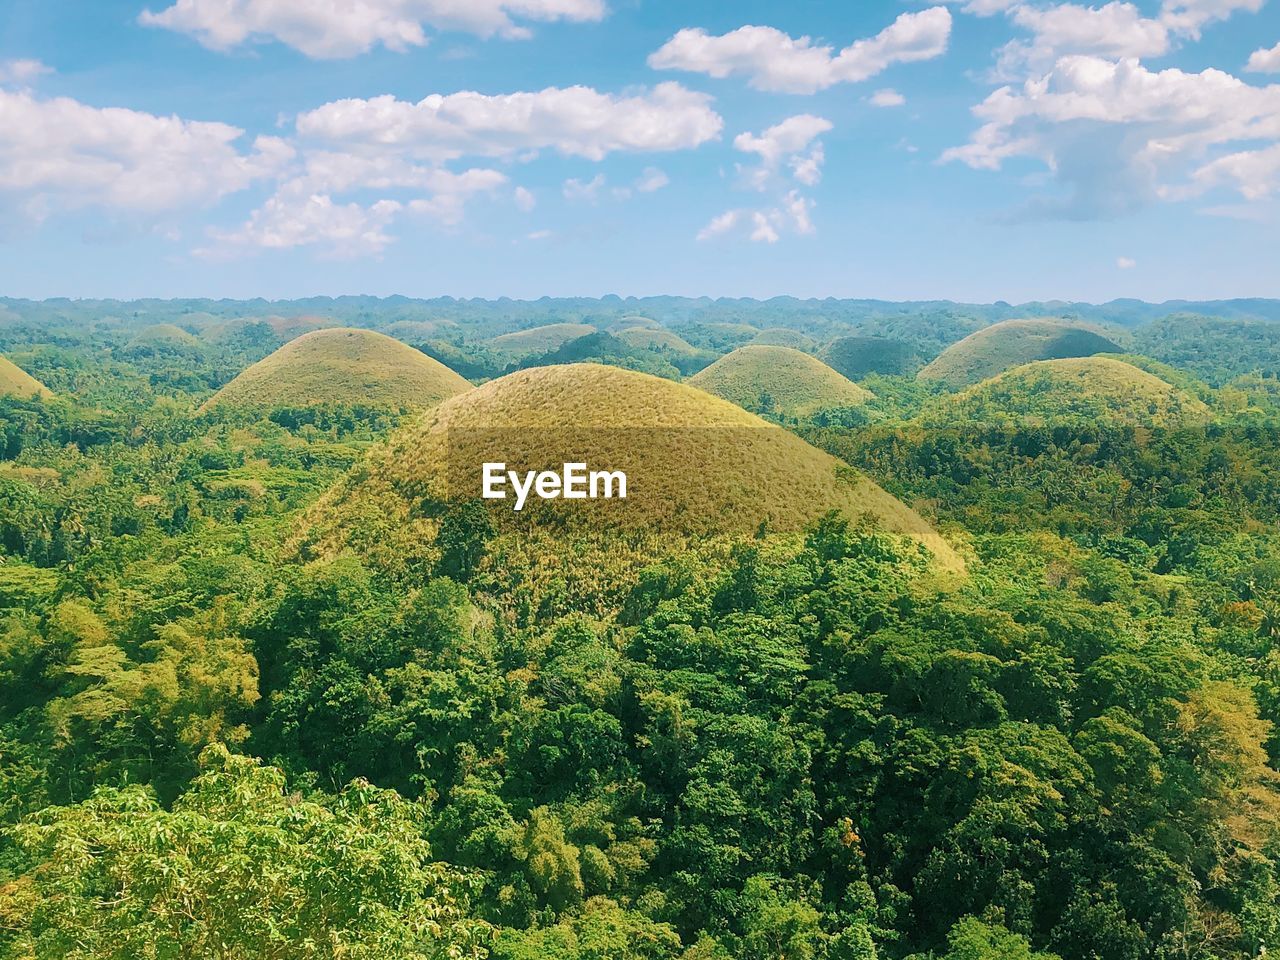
(974, 150)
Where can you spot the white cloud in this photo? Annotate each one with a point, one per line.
(539, 235)
(1115, 30)
(1116, 135)
(651, 180)
(1188, 17)
(345, 28)
(789, 137)
(763, 226)
(21, 72)
(285, 221)
(772, 60)
(583, 190)
(1126, 263)
(1254, 173)
(1265, 61)
(887, 98)
(525, 200)
(61, 154)
(576, 121)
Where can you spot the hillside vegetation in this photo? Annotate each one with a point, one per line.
(695, 464)
(1096, 389)
(342, 366)
(858, 357)
(16, 382)
(993, 349)
(539, 339)
(778, 380)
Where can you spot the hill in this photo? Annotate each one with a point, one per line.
(1096, 389)
(778, 380)
(162, 336)
(663, 341)
(858, 357)
(999, 347)
(632, 322)
(539, 339)
(1213, 348)
(343, 366)
(785, 337)
(16, 382)
(695, 464)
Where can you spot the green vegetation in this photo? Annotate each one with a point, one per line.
(859, 357)
(341, 366)
(779, 381)
(784, 337)
(274, 684)
(15, 382)
(1102, 390)
(997, 348)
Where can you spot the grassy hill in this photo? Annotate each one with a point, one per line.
(164, 336)
(343, 366)
(633, 322)
(993, 349)
(1097, 389)
(539, 339)
(663, 341)
(778, 380)
(695, 464)
(785, 337)
(16, 382)
(858, 357)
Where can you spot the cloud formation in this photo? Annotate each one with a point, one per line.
(774, 61)
(345, 28)
(575, 121)
(1265, 61)
(1116, 135)
(21, 72)
(62, 154)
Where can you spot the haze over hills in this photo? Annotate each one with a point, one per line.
(696, 464)
(16, 382)
(342, 366)
(989, 351)
(1096, 389)
(780, 380)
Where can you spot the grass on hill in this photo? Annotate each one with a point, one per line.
(858, 357)
(165, 335)
(539, 339)
(16, 382)
(1002, 346)
(633, 322)
(663, 341)
(342, 366)
(779, 380)
(1094, 389)
(696, 465)
(785, 337)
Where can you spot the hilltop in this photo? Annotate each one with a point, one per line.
(1097, 389)
(696, 464)
(858, 356)
(785, 337)
(164, 336)
(779, 380)
(342, 366)
(663, 341)
(1000, 347)
(539, 339)
(16, 382)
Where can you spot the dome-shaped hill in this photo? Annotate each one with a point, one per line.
(778, 380)
(784, 337)
(664, 341)
(16, 382)
(996, 348)
(695, 465)
(859, 356)
(163, 335)
(538, 340)
(1094, 389)
(342, 366)
(631, 322)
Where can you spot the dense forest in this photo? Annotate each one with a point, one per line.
(220, 739)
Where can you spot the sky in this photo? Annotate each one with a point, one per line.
(975, 150)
